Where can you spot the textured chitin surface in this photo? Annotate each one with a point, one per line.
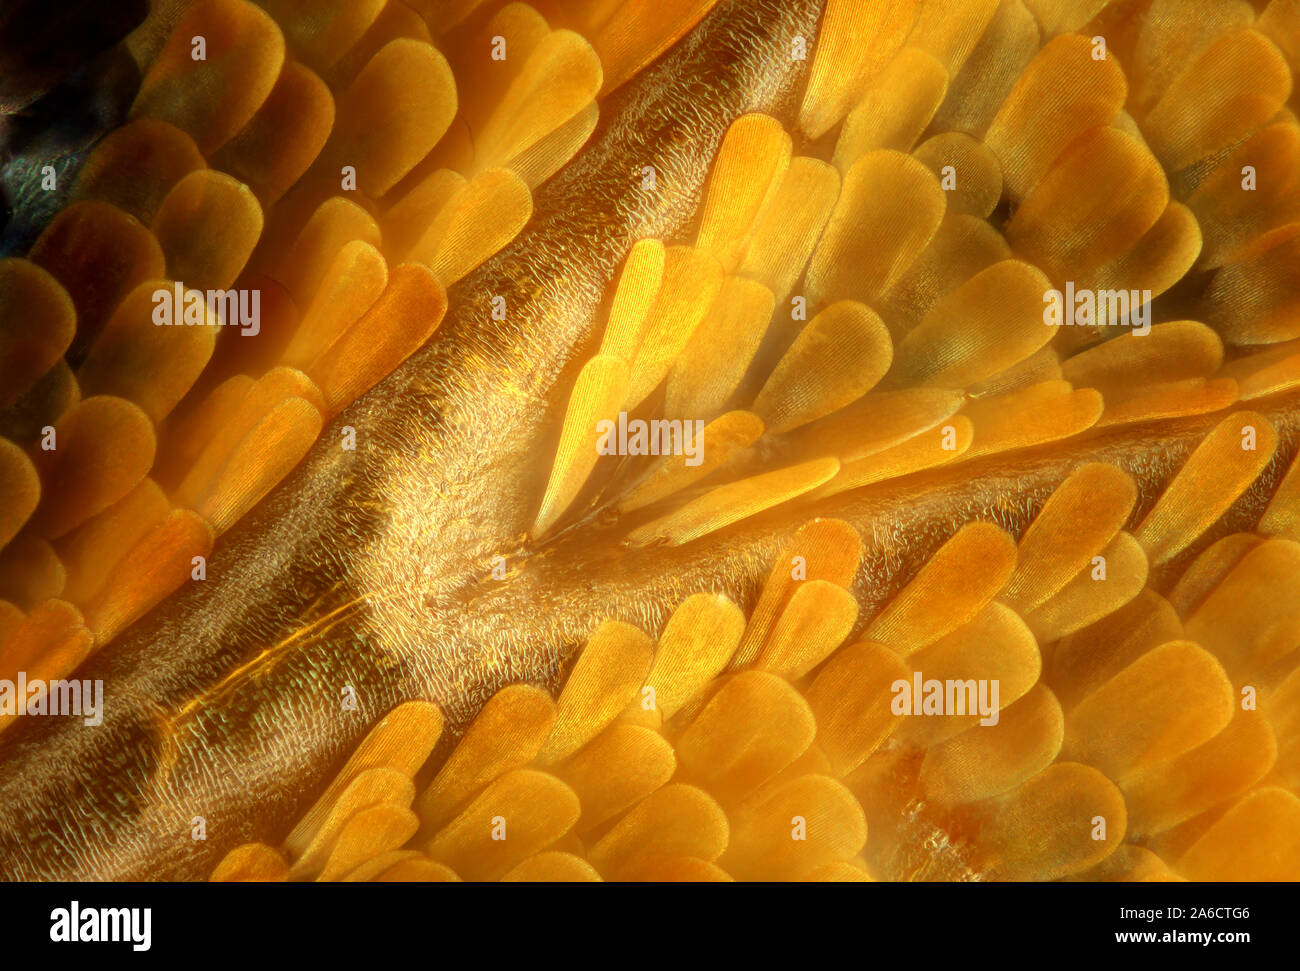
(643, 406)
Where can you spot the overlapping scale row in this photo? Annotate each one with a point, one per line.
(885, 301)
